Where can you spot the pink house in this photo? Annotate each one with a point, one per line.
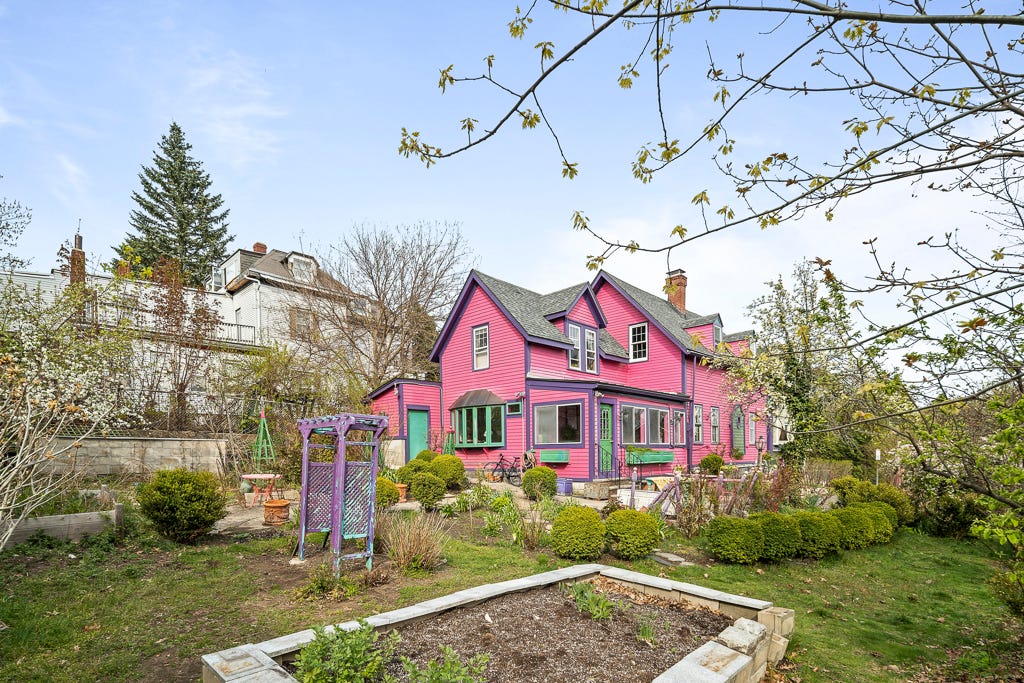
(595, 379)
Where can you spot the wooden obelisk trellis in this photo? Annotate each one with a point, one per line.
(340, 497)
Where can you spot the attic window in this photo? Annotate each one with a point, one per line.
(302, 269)
(717, 333)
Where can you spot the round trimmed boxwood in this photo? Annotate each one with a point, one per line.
(781, 536)
(631, 534)
(427, 455)
(900, 502)
(882, 527)
(427, 488)
(387, 493)
(450, 469)
(820, 533)
(578, 533)
(410, 469)
(711, 463)
(734, 539)
(857, 527)
(182, 505)
(540, 482)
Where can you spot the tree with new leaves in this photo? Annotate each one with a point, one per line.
(176, 215)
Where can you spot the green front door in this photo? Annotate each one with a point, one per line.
(737, 430)
(419, 433)
(606, 446)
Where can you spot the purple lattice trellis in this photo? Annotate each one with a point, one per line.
(340, 496)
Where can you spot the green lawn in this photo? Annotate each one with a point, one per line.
(148, 610)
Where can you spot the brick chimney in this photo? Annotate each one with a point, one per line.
(77, 262)
(675, 286)
(259, 248)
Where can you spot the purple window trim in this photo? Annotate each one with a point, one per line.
(583, 422)
(578, 349)
(584, 328)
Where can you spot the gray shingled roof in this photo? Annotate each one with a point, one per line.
(525, 306)
(610, 347)
(559, 302)
(737, 336)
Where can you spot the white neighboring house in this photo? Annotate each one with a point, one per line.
(255, 292)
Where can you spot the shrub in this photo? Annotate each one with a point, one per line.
(631, 534)
(820, 534)
(413, 542)
(450, 469)
(781, 536)
(322, 583)
(410, 469)
(888, 510)
(427, 488)
(427, 455)
(387, 493)
(881, 527)
(182, 505)
(1009, 587)
(611, 506)
(711, 464)
(846, 489)
(540, 482)
(951, 514)
(451, 669)
(358, 655)
(899, 501)
(733, 539)
(857, 528)
(578, 533)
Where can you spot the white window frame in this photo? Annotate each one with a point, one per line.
(628, 436)
(481, 351)
(575, 353)
(557, 407)
(590, 350)
(635, 345)
(664, 426)
(716, 336)
(303, 269)
(716, 425)
(679, 427)
(697, 428)
(752, 429)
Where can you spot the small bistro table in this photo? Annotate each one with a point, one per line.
(262, 486)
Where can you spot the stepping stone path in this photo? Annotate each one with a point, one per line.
(671, 559)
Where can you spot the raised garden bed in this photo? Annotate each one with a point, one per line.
(740, 651)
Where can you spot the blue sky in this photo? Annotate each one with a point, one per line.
(295, 110)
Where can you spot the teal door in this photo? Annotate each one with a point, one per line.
(418, 438)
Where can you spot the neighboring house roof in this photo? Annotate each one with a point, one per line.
(738, 336)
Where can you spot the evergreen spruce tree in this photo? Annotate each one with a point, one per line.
(177, 216)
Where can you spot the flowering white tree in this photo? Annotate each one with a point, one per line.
(58, 375)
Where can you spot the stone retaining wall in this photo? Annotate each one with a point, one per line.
(136, 455)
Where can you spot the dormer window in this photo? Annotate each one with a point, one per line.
(231, 269)
(716, 333)
(302, 268)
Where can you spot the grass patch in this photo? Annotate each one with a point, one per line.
(147, 610)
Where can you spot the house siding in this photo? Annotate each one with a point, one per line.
(429, 396)
(505, 375)
(580, 455)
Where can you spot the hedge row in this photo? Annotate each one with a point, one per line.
(772, 536)
(579, 534)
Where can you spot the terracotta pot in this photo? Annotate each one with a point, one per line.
(403, 492)
(275, 512)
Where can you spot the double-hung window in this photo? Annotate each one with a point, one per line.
(558, 424)
(591, 350)
(657, 419)
(633, 419)
(479, 426)
(679, 427)
(716, 429)
(752, 430)
(698, 423)
(638, 342)
(574, 352)
(481, 348)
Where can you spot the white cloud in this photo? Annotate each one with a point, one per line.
(70, 184)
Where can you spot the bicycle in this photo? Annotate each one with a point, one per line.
(507, 469)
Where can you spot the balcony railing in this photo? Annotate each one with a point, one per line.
(106, 314)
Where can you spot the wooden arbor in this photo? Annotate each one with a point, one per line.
(339, 496)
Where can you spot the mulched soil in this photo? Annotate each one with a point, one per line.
(539, 636)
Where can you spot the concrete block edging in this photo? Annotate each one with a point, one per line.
(713, 662)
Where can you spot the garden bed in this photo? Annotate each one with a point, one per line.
(532, 632)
